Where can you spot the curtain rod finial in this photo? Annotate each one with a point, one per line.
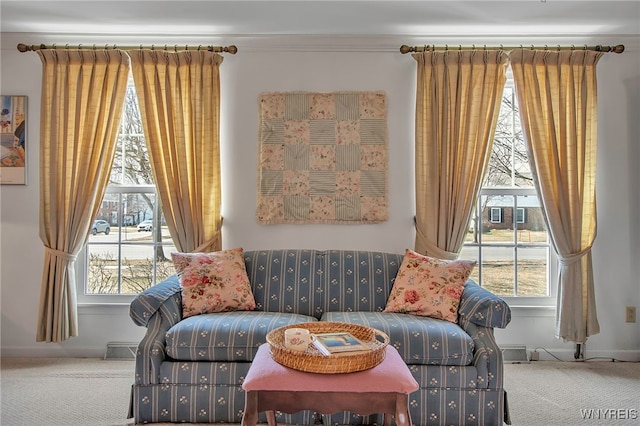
(405, 49)
(232, 49)
(619, 48)
(23, 47)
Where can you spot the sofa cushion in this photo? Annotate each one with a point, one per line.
(311, 282)
(213, 282)
(419, 340)
(428, 286)
(225, 336)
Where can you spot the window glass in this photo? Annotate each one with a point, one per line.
(136, 252)
(507, 235)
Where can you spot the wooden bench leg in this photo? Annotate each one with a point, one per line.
(271, 418)
(403, 418)
(250, 415)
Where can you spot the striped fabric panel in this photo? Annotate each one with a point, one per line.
(322, 182)
(272, 131)
(347, 106)
(348, 157)
(297, 207)
(373, 131)
(322, 132)
(348, 207)
(296, 157)
(373, 183)
(271, 182)
(297, 106)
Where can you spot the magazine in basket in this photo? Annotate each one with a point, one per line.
(339, 342)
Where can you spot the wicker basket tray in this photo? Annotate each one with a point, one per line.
(313, 361)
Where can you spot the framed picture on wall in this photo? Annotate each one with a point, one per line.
(13, 141)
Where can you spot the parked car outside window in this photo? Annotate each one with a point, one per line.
(145, 225)
(100, 226)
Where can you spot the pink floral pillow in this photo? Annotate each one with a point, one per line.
(213, 282)
(427, 286)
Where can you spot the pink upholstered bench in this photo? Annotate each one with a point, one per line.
(382, 389)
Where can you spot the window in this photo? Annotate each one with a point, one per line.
(512, 248)
(496, 215)
(136, 253)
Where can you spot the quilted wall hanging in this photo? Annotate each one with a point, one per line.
(322, 158)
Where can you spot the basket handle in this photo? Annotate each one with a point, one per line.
(383, 335)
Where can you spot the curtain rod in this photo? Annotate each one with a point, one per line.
(615, 49)
(33, 47)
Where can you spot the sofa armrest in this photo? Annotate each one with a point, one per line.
(158, 309)
(152, 299)
(487, 356)
(151, 351)
(482, 307)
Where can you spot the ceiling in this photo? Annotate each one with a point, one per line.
(460, 18)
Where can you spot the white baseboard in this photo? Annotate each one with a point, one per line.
(50, 351)
(590, 355)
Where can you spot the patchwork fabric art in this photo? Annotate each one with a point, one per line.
(322, 158)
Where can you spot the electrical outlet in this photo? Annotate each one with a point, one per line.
(535, 356)
(630, 314)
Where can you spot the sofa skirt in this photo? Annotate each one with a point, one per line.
(185, 403)
(440, 407)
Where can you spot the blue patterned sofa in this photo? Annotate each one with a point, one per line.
(191, 370)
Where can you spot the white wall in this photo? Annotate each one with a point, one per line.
(330, 64)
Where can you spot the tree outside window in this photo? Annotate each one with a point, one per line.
(513, 254)
(134, 256)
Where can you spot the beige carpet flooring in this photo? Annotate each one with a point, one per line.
(94, 392)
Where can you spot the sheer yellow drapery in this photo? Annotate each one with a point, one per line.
(558, 106)
(457, 102)
(179, 96)
(82, 98)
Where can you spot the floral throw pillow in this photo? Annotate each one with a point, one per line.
(427, 286)
(213, 282)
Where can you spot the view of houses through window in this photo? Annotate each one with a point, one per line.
(507, 234)
(136, 251)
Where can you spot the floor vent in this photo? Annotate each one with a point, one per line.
(121, 350)
(515, 354)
